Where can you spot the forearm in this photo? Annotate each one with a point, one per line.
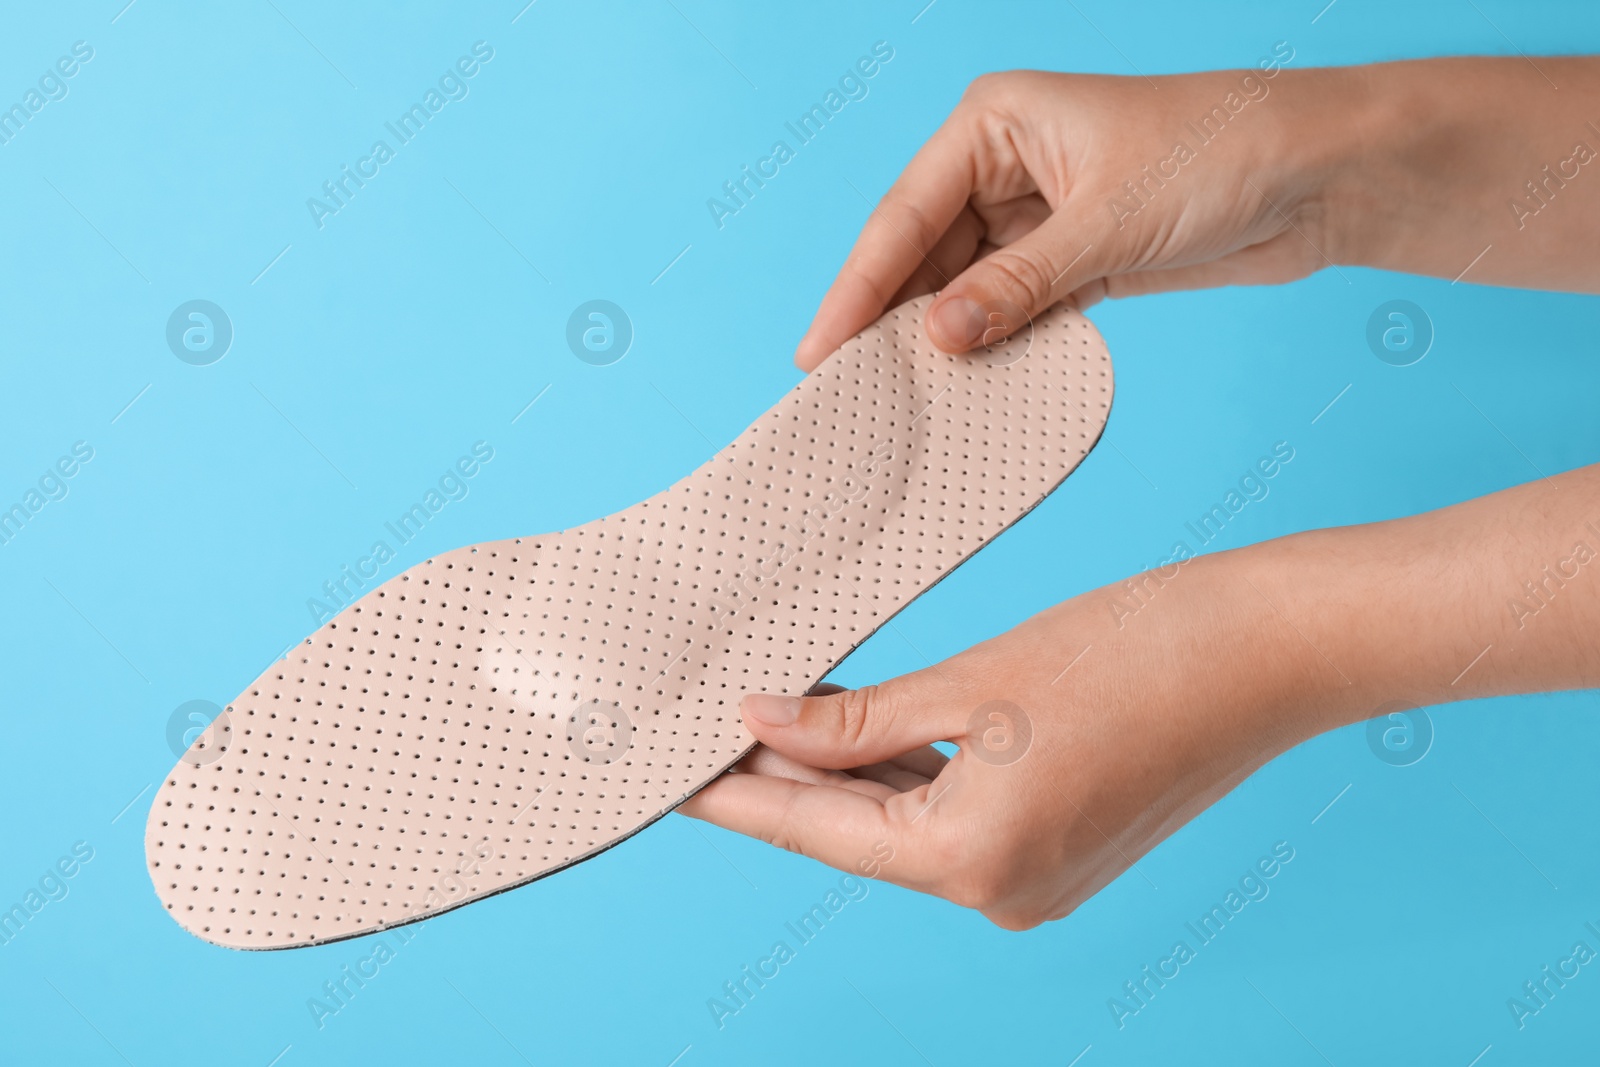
(1438, 166)
(1493, 596)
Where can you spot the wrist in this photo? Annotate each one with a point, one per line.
(1397, 130)
(1326, 160)
(1321, 629)
(1484, 598)
(1324, 601)
(1236, 653)
(1420, 165)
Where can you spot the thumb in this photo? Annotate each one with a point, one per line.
(856, 727)
(1002, 292)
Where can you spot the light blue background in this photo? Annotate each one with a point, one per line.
(376, 350)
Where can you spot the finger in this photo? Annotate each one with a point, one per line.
(1006, 289)
(923, 765)
(907, 223)
(926, 761)
(861, 726)
(953, 254)
(776, 765)
(836, 826)
(1006, 221)
(763, 760)
(975, 233)
(891, 777)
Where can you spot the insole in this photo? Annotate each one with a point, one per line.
(505, 710)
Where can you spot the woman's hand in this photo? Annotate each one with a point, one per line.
(1044, 187)
(1082, 746)
(1087, 734)
(1019, 198)
(1091, 732)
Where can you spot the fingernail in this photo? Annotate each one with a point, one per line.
(771, 709)
(955, 324)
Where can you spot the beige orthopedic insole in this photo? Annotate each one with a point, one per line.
(504, 710)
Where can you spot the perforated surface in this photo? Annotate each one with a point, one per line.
(506, 709)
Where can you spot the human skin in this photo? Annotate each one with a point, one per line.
(1139, 723)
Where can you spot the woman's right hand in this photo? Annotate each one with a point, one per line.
(1043, 187)
(1019, 200)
